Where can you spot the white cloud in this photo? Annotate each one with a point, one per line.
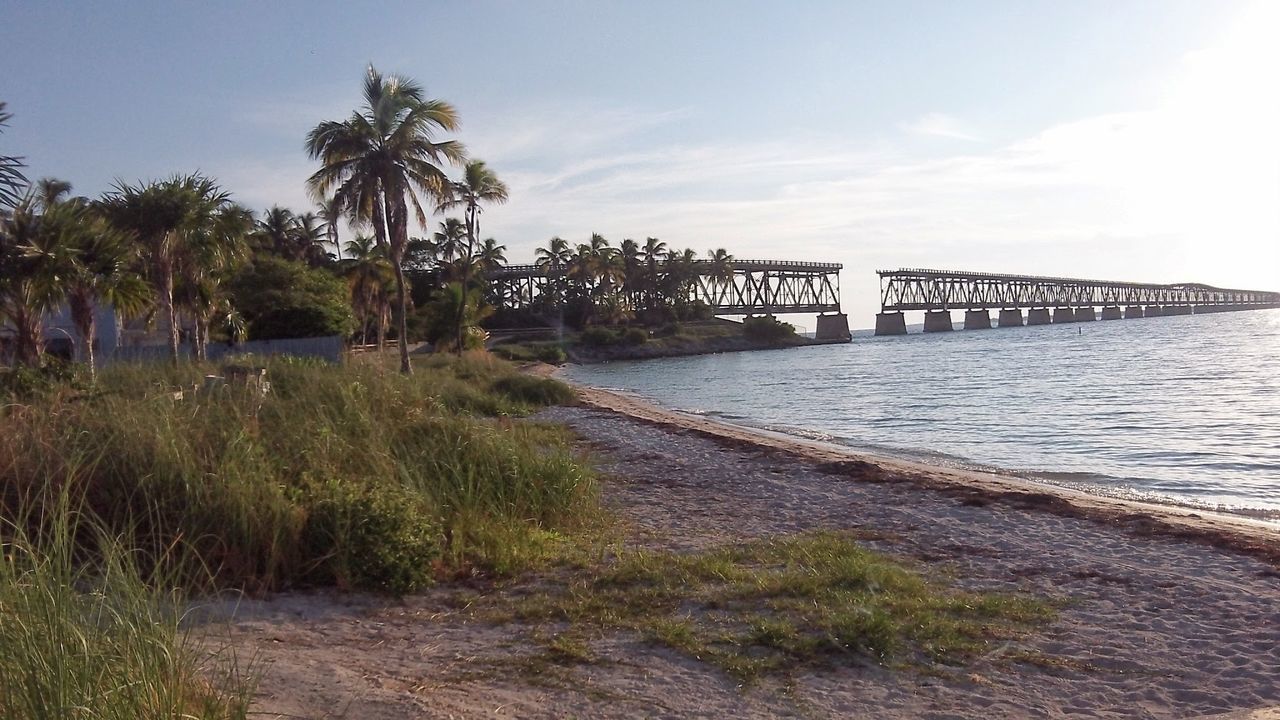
(939, 125)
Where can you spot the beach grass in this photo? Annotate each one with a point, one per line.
(774, 607)
(351, 476)
(101, 636)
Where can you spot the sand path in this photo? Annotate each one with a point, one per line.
(1173, 614)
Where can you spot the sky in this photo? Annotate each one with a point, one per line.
(1117, 139)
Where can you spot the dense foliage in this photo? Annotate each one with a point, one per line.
(287, 299)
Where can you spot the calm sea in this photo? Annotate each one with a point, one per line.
(1184, 410)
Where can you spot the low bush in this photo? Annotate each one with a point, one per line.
(767, 329)
(598, 337)
(377, 537)
(546, 352)
(22, 383)
(634, 336)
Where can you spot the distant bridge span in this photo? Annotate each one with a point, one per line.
(757, 287)
(937, 292)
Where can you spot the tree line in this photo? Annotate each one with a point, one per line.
(178, 248)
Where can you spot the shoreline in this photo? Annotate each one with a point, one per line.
(1253, 536)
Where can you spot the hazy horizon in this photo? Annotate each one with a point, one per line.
(1129, 140)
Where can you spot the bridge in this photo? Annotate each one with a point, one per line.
(749, 287)
(937, 292)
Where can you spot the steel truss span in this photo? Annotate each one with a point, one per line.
(756, 287)
(934, 290)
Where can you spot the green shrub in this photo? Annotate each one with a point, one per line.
(635, 336)
(668, 330)
(380, 537)
(598, 337)
(27, 383)
(767, 329)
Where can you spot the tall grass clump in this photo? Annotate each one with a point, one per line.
(94, 635)
(351, 476)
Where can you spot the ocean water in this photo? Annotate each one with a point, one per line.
(1182, 410)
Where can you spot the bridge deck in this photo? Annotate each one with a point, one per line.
(926, 289)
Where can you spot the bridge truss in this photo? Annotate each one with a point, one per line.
(755, 287)
(935, 290)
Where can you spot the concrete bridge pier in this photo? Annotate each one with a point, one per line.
(1086, 314)
(1038, 316)
(1063, 315)
(1111, 313)
(833, 327)
(1011, 318)
(938, 321)
(1132, 311)
(1152, 311)
(891, 323)
(977, 320)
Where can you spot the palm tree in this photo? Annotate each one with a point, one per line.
(720, 269)
(164, 216)
(479, 184)
(102, 270)
(216, 241)
(492, 255)
(633, 280)
(12, 181)
(330, 210)
(376, 162)
(654, 251)
(553, 259)
(276, 230)
(450, 240)
(460, 309)
(310, 237)
(371, 278)
(33, 260)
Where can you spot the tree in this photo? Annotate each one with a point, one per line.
(720, 268)
(164, 216)
(654, 251)
(216, 243)
(371, 279)
(330, 211)
(553, 259)
(479, 185)
(288, 299)
(378, 160)
(456, 304)
(492, 255)
(310, 237)
(12, 181)
(450, 240)
(101, 270)
(33, 260)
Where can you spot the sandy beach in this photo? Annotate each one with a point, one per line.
(1166, 613)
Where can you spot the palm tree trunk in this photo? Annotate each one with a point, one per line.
(170, 312)
(397, 225)
(30, 341)
(81, 306)
(402, 325)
